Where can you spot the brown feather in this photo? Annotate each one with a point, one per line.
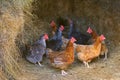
(66, 56)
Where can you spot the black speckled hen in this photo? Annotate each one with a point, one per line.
(37, 50)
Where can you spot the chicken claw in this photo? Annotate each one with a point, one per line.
(63, 72)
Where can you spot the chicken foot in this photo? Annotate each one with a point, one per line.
(63, 72)
(86, 64)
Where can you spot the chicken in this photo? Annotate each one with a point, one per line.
(56, 42)
(86, 53)
(37, 50)
(80, 37)
(54, 27)
(64, 58)
(104, 49)
(93, 34)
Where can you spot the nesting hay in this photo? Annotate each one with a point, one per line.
(17, 29)
(2, 75)
(11, 24)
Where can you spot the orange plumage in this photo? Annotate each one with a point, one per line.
(93, 34)
(104, 49)
(64, 58)
(86, 53)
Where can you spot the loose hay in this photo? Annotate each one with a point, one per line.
(11, 24)
(19, 27)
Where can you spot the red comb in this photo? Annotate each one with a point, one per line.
(61, 27)
(89, 30)
(52, 24)
(102, 37)
(73, 39)
(46, 36)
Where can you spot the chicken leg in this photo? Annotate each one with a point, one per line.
(86, 64)
(40, 64)
(106, 54)
(63, 72)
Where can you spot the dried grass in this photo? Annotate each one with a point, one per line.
(2, 75)
(11, 24)
(16, 30)
(19, 27)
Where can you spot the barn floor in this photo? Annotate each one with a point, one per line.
(100, 69)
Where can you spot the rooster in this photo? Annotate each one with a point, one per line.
(86, 53)
(80, 37)
(56, 42)
(37, 50)
(104, 49)
(64, 58)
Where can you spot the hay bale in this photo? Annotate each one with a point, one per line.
(11, 24)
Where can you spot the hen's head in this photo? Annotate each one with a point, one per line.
(46, 36)
(89, 30)
(102, 37)
(52, 24)
(61, 27)
(73, 39)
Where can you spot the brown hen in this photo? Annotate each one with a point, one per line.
(104, 49)
(64, 58)
(86, 53)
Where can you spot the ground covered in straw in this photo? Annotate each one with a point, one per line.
(101, 70)
(23, 21)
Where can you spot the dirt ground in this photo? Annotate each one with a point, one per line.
(100, 69)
